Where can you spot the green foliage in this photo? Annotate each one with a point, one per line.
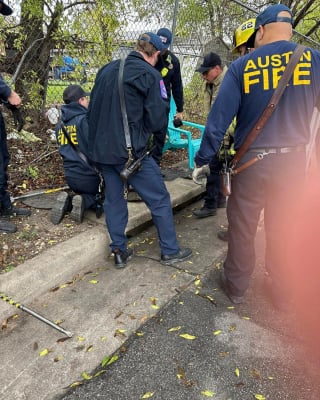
(33, 172)
(28, 235)
(94, 31)
(193, 98)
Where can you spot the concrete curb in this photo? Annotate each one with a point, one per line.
(63, 261)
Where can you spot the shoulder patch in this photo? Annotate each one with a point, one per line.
(163, 90)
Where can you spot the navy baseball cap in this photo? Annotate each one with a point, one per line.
(5, 9)
(153, 39)
(209, 61)
(165, 35)
(268, 16)
(74, 93)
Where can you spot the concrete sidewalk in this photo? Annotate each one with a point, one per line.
(76, 284)
(63, 261)
(237, 353)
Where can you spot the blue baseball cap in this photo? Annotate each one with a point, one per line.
(268, 16)
(153, 39)
(165, 36)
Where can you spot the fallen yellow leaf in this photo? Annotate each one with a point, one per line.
(107, 360)
(174, 329)
(207, 393)
(93, 281)
(217, 332)
(44, 352)
(187, 336)
(237, 372)
(99, 373)
(81, 339)
(259, 397)
(86, 376)
(147, 395)
(74, 384)
(153, 300)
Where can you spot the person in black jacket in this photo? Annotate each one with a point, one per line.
(7, 209)
(169, 67)
(81, 177)
(145, 99)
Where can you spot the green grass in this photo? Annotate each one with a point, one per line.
(56, 88)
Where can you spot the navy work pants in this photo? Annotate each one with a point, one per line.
(4, 161)
(214, 196)
(149, 185)
(85, 185)
(273, 184)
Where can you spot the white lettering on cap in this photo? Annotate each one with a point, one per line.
(163, 39)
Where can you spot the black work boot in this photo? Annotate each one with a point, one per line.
(63, 204)
(227, 288)
(7, 227)
(121, 257)
(13, 211)
(77, 211)
(205, 212)
(183, 254)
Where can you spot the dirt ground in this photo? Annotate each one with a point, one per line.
(36, 165)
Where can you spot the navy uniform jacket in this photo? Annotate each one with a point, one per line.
(4, 89)
(172, 79)
(75, 120)
(145, 99)
(247, 89)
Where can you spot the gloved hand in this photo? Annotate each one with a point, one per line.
(17, 116)
(199, 174)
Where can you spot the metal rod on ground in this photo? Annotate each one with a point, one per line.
(38, 193)
(35, 314)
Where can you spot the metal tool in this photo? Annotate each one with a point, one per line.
(12, 302)
(38, 193)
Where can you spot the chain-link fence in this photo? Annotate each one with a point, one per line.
(52, 44)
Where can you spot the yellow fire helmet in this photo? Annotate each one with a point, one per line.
(242, 33)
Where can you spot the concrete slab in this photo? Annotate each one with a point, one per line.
(102, 306)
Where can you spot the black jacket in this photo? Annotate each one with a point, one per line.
(171, 73)
(145, 99)
(75, 120)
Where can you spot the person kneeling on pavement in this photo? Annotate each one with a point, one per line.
(81, 176)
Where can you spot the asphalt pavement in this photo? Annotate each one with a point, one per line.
(149, 330)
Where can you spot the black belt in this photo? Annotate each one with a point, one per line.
(279, 150)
